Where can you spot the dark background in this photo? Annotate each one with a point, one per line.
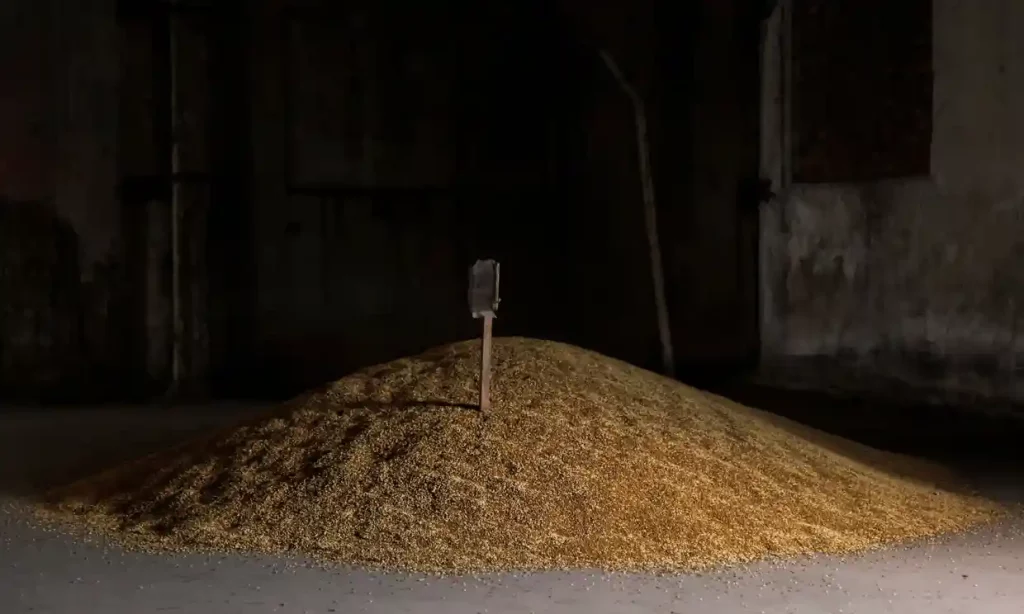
(341, 167)
(341, 164)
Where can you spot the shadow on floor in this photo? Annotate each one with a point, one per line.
(982, 446)
(943, 433)
(44, 448)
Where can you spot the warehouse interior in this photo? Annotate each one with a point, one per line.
(211, 207)
(296, 162)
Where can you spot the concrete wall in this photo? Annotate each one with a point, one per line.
(920, 280)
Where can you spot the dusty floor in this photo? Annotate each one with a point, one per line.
(50, 573)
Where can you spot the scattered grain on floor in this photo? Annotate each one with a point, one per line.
(583, 462)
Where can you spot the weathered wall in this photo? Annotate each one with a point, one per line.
(336, 191)
(85, 225)
(920, 280)
(59, 215)
(371, 194)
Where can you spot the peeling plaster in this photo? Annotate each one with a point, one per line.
(921, 279)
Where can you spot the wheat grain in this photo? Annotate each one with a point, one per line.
(583, 462)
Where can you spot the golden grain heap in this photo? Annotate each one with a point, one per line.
(583, 462)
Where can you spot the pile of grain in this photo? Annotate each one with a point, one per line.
(583, 462)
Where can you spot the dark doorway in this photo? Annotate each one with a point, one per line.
(709, 109)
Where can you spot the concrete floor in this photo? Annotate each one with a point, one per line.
(46, 572)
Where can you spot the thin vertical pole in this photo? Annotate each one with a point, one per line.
(485, 364)
(650, 216)
(178, 323)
